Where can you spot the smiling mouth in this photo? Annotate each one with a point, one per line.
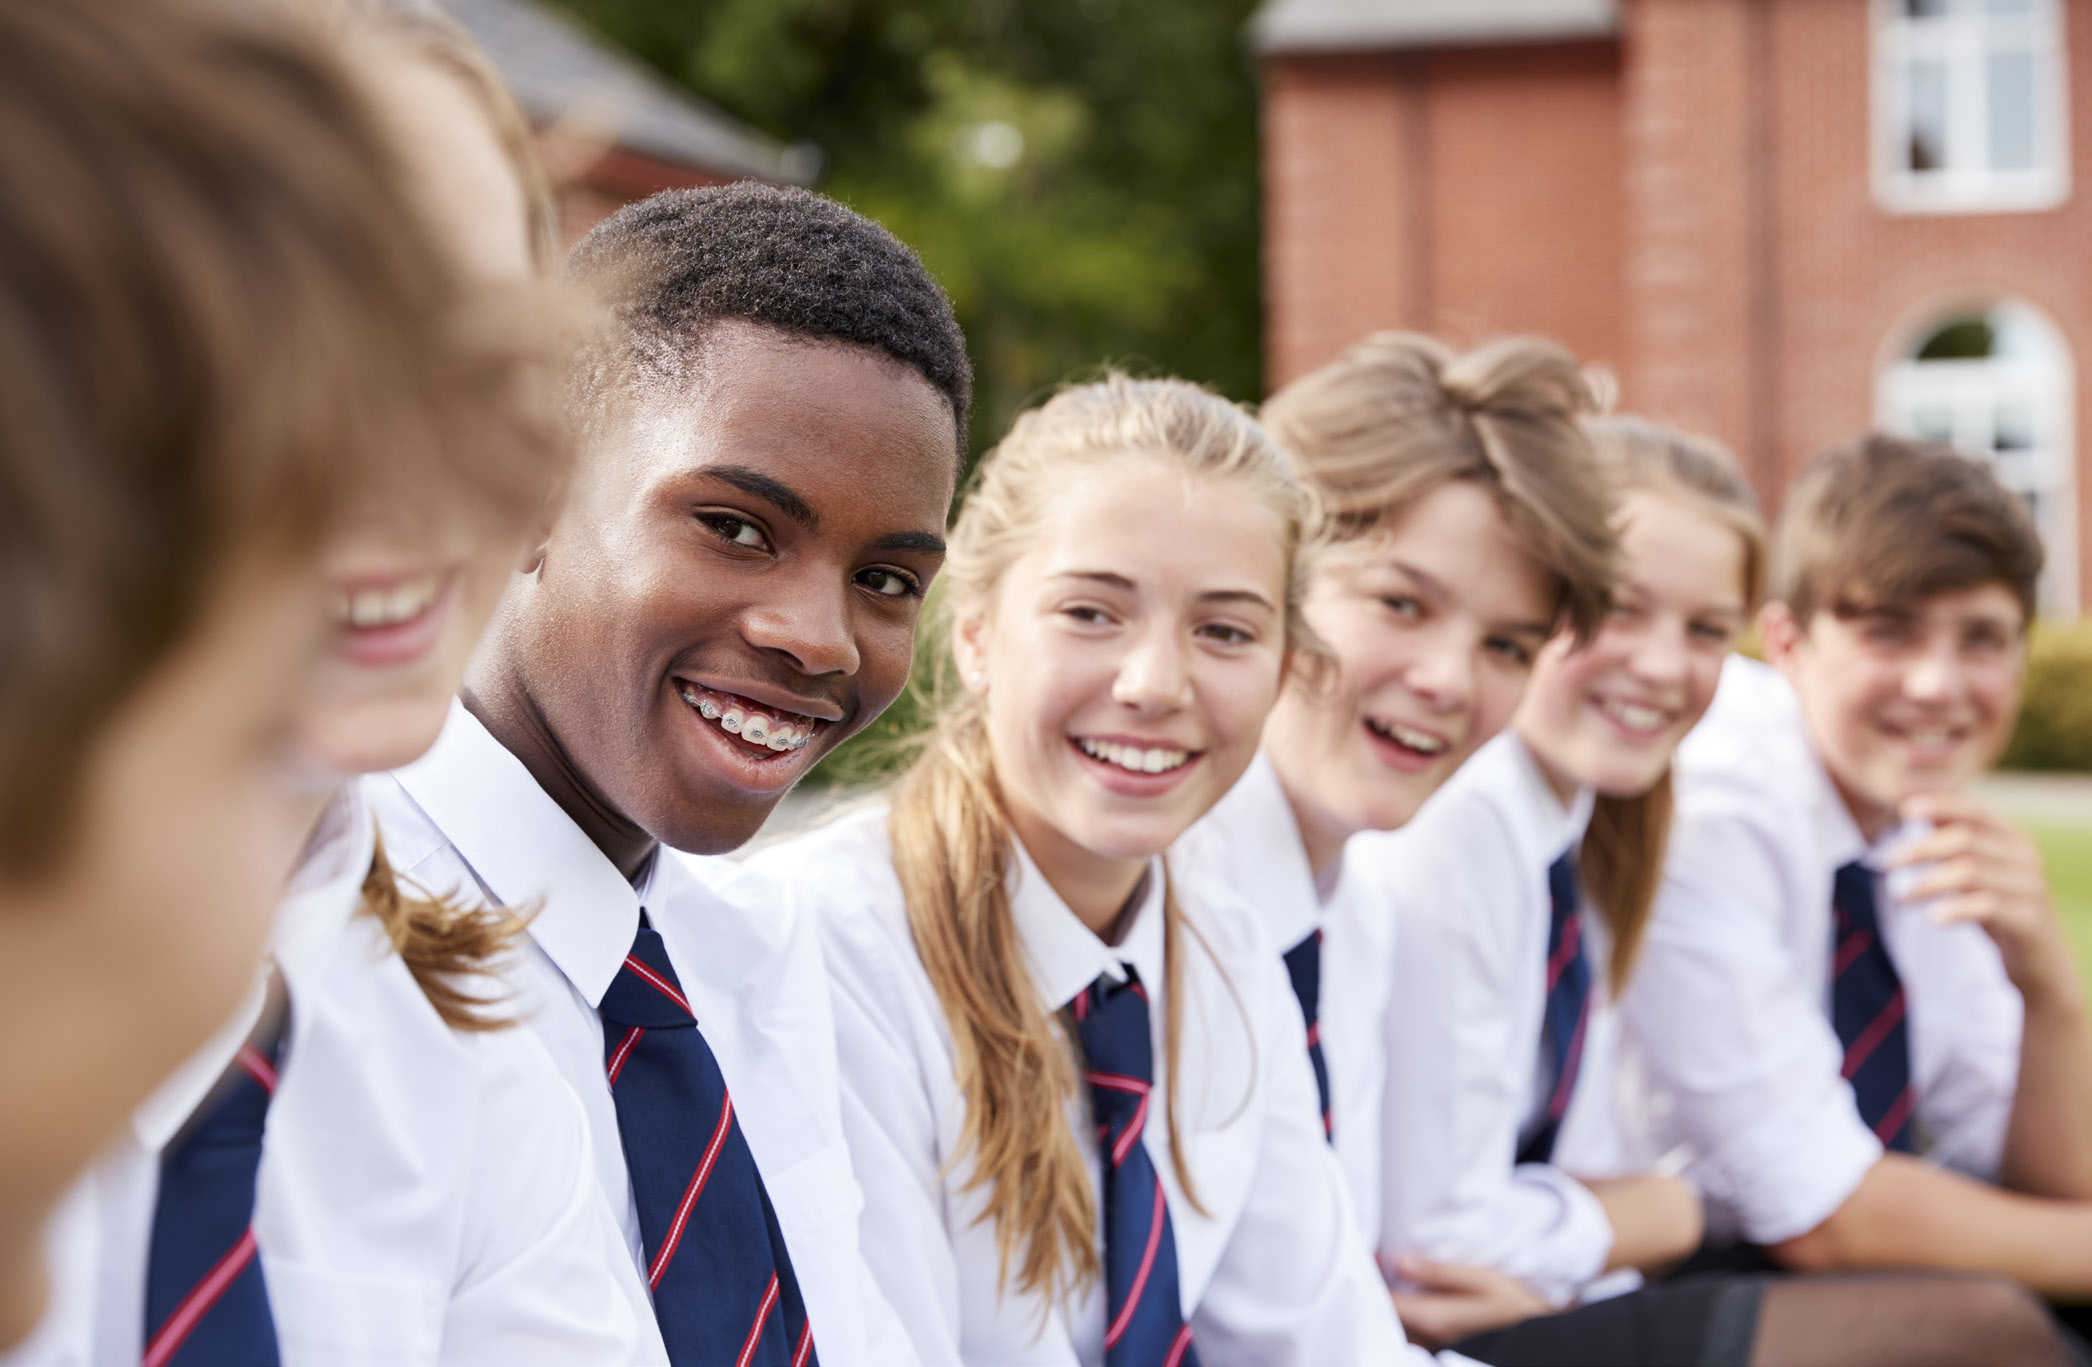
(1930, 737)
(1421, 743)
(1635, 716)
(753, 725)
(1135, 759)
(374, 608)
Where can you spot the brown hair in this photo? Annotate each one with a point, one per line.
(952, 845)
(1621, 858)
(217, 335)
(1399, 414)
(1886, 521)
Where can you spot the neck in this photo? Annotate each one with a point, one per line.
(1321, 837)
(504, 706)
(1096, 887)
(1871, 817)
(1560, 781)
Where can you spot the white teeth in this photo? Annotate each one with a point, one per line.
(367, 608)
(1133, 758)
(708, 709)
(782, 741)
(756, 729)
(770, 732)
(733, 720)
(1421, 741)
(1637, 716)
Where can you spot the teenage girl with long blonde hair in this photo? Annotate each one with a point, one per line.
(1075, 1079)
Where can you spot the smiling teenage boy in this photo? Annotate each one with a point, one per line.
(770, 438)
(1855, 987)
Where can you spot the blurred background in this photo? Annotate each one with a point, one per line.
(1778, 222)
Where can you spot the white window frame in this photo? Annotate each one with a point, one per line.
(1963, 40)
(1970, 392)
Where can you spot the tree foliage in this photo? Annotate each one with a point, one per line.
(1080, 174)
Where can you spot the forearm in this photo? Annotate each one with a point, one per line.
(1907, 1214)
(2048, 1148)
(1656, 1220)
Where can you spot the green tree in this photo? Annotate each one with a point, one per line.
(1080, 174)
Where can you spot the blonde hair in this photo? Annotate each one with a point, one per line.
(1400, 414)
(952, 846)
(1621, 858)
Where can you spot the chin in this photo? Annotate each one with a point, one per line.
(715, 828)
(375, 740)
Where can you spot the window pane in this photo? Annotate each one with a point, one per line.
(1932, 423)
(2012, 426)
(1925, 9)
(2008, 6)
(1928, 116)
(2011, 111)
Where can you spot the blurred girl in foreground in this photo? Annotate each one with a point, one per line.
(426, 1190)
(1075, 1081)
(1502, 1110)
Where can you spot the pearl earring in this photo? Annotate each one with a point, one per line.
(977, 678)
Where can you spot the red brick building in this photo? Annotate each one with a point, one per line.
(1776, 221)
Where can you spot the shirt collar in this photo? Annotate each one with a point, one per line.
(526, 851)
(1066, 955)
(1268, 859)
(323, 892)
(1556, 826)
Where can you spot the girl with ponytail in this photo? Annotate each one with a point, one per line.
(1075, 1080)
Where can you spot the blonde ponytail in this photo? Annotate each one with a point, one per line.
(443, 945)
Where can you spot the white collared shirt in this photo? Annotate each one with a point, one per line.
(425, 1195)
(1274, 1272)
(1730, 1005)
(468, 818)
(1250, 844)
(1466, 1073)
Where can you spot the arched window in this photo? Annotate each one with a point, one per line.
(1996, 382)
(1970, 110)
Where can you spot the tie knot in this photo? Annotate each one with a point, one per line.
(1852, 897)
(1111, 1023)
(646, 991)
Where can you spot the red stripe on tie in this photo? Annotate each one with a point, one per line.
(1849, 950)
(1558, 1104)
(1117, 1082)
(762, 1317)
(1082, 1007)
(1177, 1349)
(1132, 1134)
(1870, 1039)
(1892, 1120)
(206, 1293)
(1140, 1278)
(676, 1226)
(1571, 937)
(624, 1051)
(257, 1066)
(805, 1351)
(1314, 1034)
(656, 981)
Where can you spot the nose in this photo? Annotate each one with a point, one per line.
(808, 622)
(1154, 675)
(1442, 675)
(1659, 655)
(1934, 676)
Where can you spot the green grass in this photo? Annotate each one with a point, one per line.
(2066, 851)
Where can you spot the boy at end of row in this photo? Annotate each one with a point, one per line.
(1857, 991)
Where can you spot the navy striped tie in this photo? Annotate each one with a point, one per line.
(206, 1304)
(1304, 967)
(1144, 1325)
(1568, 1010)
(724, 1291)
(1867, 1009)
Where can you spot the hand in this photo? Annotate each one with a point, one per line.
(1984, 871)
(1451, 1301)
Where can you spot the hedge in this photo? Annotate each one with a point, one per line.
(2055, 711)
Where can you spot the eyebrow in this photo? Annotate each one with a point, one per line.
(1120, 581)
(773, 491)
(923, 542)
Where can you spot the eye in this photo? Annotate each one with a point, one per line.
(1713, 633)
(738, 531)
(1403, 606)
(890, 583)
(1086, 614)
(1228, 634)
(1510, 650)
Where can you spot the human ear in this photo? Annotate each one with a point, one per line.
(1780, 635)
(969, 652)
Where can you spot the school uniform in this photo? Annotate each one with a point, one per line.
(1250, 843)
(751, 1046)
(1792, 1049)
(1486, 1102)
(416, 1194)
(1272, 1271)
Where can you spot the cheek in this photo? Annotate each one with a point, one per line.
(1239, 695)
(1704, 677)
(1497, 695)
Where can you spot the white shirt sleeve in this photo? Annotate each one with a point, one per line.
(1460, 1067)
(1966, 1019)
(1730, 1028)
(1295, 1283)
(893, 1134)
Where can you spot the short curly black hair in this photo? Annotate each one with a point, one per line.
(673, 265)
